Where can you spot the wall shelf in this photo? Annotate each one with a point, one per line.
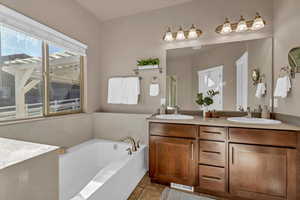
(137, 71)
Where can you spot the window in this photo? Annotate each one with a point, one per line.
(21, 79)
(64, 80)
(41, 70)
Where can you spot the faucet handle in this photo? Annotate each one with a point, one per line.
(129, 151)
(138, 144)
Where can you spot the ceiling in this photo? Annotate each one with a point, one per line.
(111, 9)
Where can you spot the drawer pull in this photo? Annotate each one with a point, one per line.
(211, 178)
(214, 152)
(212, 132)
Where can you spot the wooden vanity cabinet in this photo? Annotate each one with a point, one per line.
(235, 163)
(173, 153)
(260, 170)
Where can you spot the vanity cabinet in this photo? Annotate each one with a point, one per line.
(235, 163)
(173, 153)
(258, 172)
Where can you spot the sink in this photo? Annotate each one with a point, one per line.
(175, 116)
(249, 120)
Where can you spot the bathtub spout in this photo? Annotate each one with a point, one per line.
(132, 142)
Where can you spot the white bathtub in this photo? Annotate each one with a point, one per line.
(100, 170)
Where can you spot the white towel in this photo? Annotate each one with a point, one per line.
(283, 86)
(115, 91)
(260, 90)
(154, 90)
(131, 90)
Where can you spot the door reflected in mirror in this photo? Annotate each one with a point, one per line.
(225, 68)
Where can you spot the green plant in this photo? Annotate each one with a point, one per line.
(206, 100)
(149, 61)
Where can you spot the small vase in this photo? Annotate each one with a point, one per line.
(204, 111)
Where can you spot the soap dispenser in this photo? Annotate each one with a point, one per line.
(265, 112)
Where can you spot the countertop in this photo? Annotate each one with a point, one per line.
(223, 122)
(15, 151)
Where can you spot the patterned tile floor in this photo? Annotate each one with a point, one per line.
(150, 191)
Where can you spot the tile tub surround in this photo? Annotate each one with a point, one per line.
(14, 151)
(223, 122)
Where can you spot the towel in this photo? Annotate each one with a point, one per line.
(115, 91)
(154, 90)
(283, 86)
(260, 90)
(131, 90)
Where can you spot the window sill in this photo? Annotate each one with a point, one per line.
(30, 120)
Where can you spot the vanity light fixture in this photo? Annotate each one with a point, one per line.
(241, 26)
(226, 27)
(191, 34)
(168, 35)
(258, 23)
(180, 34)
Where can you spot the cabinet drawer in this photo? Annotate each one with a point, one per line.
(212, 133)
(263, 137)
(212, 153)
(212, 178)
(173, 130)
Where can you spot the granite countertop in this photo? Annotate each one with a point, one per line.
(15, 151)
(223, 122)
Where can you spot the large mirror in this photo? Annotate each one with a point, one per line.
(240, 71)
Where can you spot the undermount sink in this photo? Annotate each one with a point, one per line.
(175, 116)
(249, 120)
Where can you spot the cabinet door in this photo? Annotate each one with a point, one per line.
(173, 160)
(258, 172)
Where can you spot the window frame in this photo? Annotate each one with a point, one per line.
(46, 94)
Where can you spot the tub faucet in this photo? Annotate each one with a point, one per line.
(176, 110)
(132, 141)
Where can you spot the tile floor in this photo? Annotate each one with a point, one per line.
(150, 191)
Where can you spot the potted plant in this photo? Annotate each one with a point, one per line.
(205, 101)
(150, 63)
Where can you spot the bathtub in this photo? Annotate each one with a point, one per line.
(100, 169)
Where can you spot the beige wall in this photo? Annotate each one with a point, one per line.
(115, 126)
(286, 36)
(127, 39)
(64, 131)
(69, 18)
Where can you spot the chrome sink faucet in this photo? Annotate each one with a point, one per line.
(132, 142)
(249, 114)
(176, 110)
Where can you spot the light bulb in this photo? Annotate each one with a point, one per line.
(226, 28)
(180, 34)
(169, 35)
(258, 23)
(242, 25)
(193, 33)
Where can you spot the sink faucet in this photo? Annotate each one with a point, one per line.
(249, 112)
(176, 110)
(132, 142)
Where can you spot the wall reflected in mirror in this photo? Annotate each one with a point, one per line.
(240, 71)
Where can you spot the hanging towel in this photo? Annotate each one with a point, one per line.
(131, 90)
(283, 86)
(154, 89)
(260, 90)
(115, 91)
